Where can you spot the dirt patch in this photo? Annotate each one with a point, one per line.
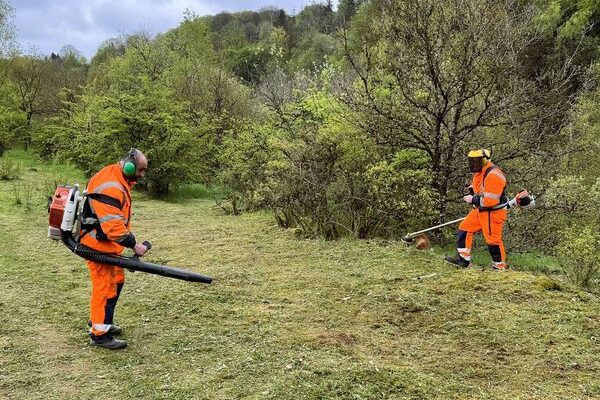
(338, 339)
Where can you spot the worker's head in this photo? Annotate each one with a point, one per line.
(134, 165)
(478, 159)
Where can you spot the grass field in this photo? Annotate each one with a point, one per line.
(284, 319)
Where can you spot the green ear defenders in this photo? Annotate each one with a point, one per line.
(130, 163)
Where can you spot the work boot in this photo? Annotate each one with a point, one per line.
(107, 341)
(500, 267)
(113, 330)
(457, 260)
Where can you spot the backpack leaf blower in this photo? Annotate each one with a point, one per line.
(65, 209)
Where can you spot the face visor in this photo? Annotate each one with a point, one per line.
(475, 164)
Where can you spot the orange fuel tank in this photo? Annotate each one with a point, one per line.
(56, 211)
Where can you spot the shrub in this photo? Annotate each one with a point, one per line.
(328, 178)
(400, 190)
(579, 256)
(243, 160)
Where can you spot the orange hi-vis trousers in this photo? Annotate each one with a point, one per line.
(107, 282)
(490, 223)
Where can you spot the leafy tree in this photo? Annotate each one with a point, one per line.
(28, 77)
(441, 77)
(109, 49)
(316, 18)
(325, 176)
(12, 120)
(568, 18)
(133, 104)
(312, 52)
(216, 102)
(567, 40)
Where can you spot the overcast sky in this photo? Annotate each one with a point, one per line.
(48, 25)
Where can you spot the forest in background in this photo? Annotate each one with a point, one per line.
(352, 120)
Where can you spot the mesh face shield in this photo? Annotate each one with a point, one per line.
(475, 164)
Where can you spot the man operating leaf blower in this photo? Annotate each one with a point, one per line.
(106, 222)
(100, 218)
(490, 204)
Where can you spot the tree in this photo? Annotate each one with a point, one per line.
(7, 31)
(346, 10)
(109, 49)
(325, 176)
(315, 18)
(12, 120)
(441, 77)
(562, 26)
(133, 103)
(216, 102)
(27, 76)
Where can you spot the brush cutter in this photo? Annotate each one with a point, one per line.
(409, 238)
(522, 200)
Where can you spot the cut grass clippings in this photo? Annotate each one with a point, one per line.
(284, 319)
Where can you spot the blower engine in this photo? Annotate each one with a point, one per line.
(65, 208)
(56, 209)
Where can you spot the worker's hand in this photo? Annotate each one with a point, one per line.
(140, 249)
(471, 190)
(468, 198)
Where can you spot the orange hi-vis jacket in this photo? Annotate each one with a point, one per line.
(488, 185)
(488, 193)
(115, 222)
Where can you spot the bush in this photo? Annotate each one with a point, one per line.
(401, 191)
(328, 178)
(579, 256)
(315, 180)
(243, 160)
(566, 201)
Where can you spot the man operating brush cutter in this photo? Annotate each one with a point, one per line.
(490, 208)
(490, 204)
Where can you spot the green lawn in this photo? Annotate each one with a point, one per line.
(284, 319)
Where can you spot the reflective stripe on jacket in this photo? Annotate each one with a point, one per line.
(488, 193)
(115, 222)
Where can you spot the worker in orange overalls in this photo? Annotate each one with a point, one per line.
(105, 226)
(488, 214)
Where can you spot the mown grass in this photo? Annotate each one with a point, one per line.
(190, 191)
(524, 262)
(284, 319)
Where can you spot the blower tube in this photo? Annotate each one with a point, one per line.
(132, 263)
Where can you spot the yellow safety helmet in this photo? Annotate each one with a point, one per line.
(478, 159)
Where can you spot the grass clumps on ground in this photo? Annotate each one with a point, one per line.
(285, 318)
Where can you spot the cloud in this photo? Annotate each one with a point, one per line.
(48, 25)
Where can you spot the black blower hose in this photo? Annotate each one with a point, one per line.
(130, 262)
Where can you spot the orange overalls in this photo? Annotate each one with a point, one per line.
(488, 185)
(112, 237)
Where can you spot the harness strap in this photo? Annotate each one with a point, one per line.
(503, 198)
(102, 198)
(106, 199)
